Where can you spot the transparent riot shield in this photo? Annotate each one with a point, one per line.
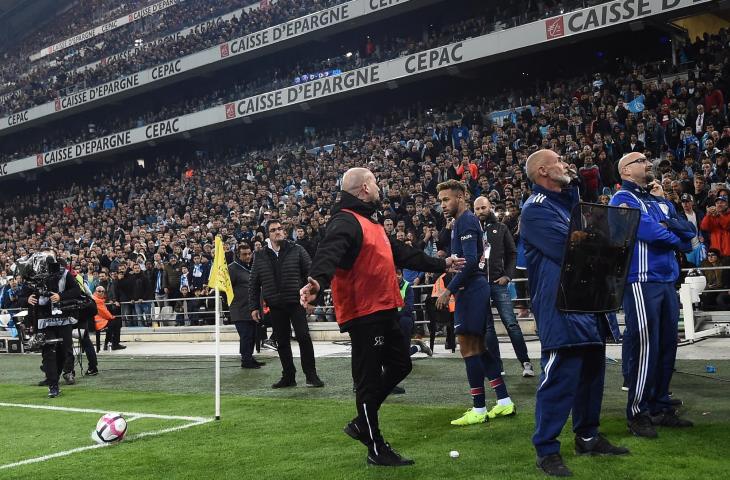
(597, 258)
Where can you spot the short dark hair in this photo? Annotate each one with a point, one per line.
(244, 246)
(453, 185)
(272, 222)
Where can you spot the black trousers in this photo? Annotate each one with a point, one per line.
(246, 337)
(380, 361)
(58, 357)
(282, 319)
(89, 349)
(113, 332)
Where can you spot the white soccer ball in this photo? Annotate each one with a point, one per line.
(454, 454)
(110, 428)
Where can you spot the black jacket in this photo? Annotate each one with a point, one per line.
(278, 278)
(343, 241)
(503, 253)
(240, 276)
(71, 291)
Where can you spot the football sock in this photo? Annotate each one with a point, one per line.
(475, 375)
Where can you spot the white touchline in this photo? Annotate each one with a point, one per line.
(194, 422)
(89, 410)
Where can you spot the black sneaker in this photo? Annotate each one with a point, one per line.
(260, 364)
(70, 378)
(284, 383)
(398, 390)
(54, 391)
(382, 454)
(641, 426)
(356, 433)
(553, 466)
(670, 419)
(313, 381)
(676, 402)
(92, 372)
(43, 383)
(118, 347)
(250, 365)
(625, 386)
(598, 445)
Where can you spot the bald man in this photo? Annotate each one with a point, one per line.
(573, 349)
(359, 260)
(650, 300)
(500, 256)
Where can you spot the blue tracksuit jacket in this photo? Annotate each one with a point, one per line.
(653, 259)
(544, 226)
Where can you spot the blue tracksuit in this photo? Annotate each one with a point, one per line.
(470, 285)
(573, 349)
(650, 304)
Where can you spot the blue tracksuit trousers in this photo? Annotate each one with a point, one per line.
(571, 380)
(650, 343)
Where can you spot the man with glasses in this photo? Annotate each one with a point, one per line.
(650, 300)
(104, 319)
(279, 271)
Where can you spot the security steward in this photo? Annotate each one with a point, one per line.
(573, 344)
(45, 312)
(359, 260)
(650, 300)
(240, 271)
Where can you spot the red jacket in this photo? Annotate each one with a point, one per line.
(719, 228)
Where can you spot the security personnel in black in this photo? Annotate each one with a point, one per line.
(278, 272)
(240, 271)
(499, 264)
(45, 312)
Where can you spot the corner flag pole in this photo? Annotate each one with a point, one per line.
(217, 353)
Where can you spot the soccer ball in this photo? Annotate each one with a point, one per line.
(110, 428)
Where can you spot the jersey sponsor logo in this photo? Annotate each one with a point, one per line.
(379, 341)
(466, 237)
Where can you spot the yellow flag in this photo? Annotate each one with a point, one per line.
(219, 273)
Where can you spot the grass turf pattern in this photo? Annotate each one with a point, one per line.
(296, 433)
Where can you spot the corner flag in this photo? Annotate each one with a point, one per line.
(219, 277)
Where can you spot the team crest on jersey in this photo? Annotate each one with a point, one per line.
(665, 208)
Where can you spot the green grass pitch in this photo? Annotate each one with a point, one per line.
(297, 433)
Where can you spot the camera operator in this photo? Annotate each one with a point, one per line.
(55, 285)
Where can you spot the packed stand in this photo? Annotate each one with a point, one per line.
(372, 50)
(165, 220)
(44, 84)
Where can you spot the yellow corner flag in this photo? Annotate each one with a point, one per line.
(219, 273)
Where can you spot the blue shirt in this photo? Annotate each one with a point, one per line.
(466, 242)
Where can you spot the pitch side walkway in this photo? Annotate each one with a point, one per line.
(711, 348)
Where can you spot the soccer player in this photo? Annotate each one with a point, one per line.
(471, 288)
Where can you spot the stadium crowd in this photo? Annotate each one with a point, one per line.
(166, 218)
(67, 73)
(225, 90)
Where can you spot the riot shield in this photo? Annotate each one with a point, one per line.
(597, 258)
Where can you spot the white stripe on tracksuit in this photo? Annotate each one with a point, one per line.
(643, 331)
(548, 365)
(370, 429)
